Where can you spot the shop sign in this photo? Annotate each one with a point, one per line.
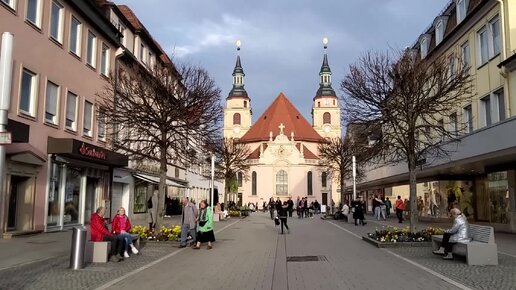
(5, 138)
(92, 152)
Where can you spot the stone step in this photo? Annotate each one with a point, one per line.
(10, 235)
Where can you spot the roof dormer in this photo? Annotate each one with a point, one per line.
(424, 44)
(462, 9)
(440, 28)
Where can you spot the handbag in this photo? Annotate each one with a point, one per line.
(202, 223)
(276, 221)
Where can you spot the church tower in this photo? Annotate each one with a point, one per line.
(237, 113)
(326, 109)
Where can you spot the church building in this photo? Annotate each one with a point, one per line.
(284, 161)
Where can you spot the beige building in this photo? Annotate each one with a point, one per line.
(59, 168)
(481, 175)
(284, 162)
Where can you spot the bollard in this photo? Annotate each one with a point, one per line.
(78, 247)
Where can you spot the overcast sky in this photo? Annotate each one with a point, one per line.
(282, 47)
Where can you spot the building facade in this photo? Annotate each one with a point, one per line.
(480, 175)
(284, 162)
(60, 167)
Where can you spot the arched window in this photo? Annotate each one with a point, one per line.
(281, 183)
(324, 178)
(245, 104)
(236, 119)
(326, 118)
(309, 183)
(254, 183)
(240, 176)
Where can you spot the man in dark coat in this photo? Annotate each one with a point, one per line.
(290, 207)
(358, 207)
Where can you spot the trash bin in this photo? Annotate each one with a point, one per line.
(78, 248)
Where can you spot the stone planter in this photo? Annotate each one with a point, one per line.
(379, 244)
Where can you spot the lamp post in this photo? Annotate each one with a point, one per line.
(212, 178)
(354, 161)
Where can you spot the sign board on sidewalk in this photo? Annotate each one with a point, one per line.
(5, 138)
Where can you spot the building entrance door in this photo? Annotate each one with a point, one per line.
(325, 198)
(20, 203)
(91, 198)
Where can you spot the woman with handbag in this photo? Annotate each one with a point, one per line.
(205, 226)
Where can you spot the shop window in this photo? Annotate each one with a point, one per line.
(309, 189)
(72, 194)
(54, 205)
(140, 198)
(498, 191)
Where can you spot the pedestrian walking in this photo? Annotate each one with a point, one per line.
(388, 206)
(188, 222)
(290, 206)
(152, 207)
(400, 206)
(459, 232)
(377, 202)
(272, 206)
(282, 214)
(300, 207)
(383, 209)
(358, 208)
(205, 226)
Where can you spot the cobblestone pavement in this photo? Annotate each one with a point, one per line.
(499, 277)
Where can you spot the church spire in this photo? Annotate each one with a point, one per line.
(325, 88)
(238, 77)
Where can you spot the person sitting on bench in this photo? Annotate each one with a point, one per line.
(459, 232)
(99, 233)
(121, 225)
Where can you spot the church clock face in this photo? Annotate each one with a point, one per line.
(327, 129)
(236, 129)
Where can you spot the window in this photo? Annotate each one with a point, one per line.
(462, 10)
(466, 57)
(326, 118)
(453, 125)
(324, 179)
(104, 62)
(439, 32)
(318, 104)
(483, 45)
(34, 12)
(281, 183)
(467, 116)
(494, 26)
(451, 66)
(489, 41)
(149, 59)
(92, 49)
(101, 127)
(51, 103)
(9, 3)
(87, 119)
(176, 173)
(424, 47)
(28, 93)
(253, 187)
(140, 197)
(71, 111)
(439, 130)
(485, 111)
(309, 189)
(498, 101)
(75, 36)
(142, 51)
(245, 104)
(236, 119)
(56, 21)
(240, 178)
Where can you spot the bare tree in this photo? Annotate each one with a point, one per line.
(414, 101)
(232, 156)
(161, 114)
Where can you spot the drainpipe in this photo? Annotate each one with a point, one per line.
(503, 70)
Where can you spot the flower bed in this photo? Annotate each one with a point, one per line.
(395, 237)
(234, 213)
(164, 234)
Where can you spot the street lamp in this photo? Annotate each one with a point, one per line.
(212, 178)
(354, 166)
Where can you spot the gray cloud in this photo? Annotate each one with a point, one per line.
(281, 40)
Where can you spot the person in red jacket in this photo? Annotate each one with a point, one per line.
(400, 207)
(99, 232)
(121, 226)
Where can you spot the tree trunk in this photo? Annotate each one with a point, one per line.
(413, 193)
(162, 187)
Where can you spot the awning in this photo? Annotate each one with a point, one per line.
(155, 179)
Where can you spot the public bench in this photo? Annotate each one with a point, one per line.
(98, 251)
(481, 250)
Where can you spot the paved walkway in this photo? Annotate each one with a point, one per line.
(250, 254)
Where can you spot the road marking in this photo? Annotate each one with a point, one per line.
(507, 254)
(113, 282)
(432, 272)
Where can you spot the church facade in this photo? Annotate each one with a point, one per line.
(284, 158)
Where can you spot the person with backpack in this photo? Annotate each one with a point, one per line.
(152, 207)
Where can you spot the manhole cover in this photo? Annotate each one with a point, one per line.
(41, 242)
(306, 258)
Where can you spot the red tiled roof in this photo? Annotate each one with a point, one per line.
(281, 111)
(306, 152)
(256, 153)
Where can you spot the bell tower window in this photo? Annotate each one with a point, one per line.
(236, 119)
(326, 118)
(245, 104)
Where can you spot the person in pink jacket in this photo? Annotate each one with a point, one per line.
(121, 225)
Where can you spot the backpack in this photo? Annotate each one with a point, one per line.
(149, 202)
